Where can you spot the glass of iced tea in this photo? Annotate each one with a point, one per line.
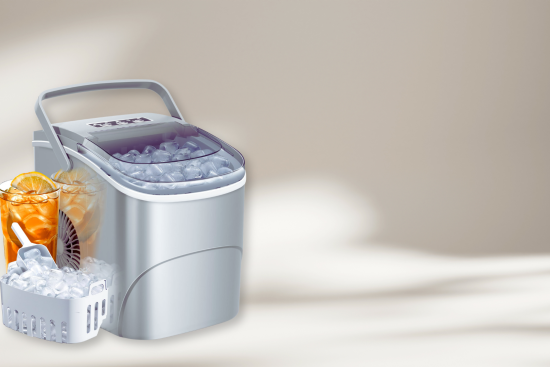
(81, 201)
(35, 208)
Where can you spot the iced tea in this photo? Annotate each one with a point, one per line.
(80, 208)
(35, 213)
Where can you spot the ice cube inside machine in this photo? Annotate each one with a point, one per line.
(172, 218)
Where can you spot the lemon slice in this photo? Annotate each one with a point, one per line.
(33, 181)
(73, 177)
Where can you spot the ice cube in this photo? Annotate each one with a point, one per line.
(143, 158)
(47, 291)
(115, 162)
(154, 170)
(117, 155)
(64, 295)
(178, 176)
(128, 158)
(36, 269)
(30, 262)
(167, 167)
(161, 156)
(158, 169)
(47, 262)
(182, 154)
(19, 284)
(31, 288)
(13, 277)
(127, 164)
(191, 173)
(41, 284)
(133, 168)
(77, 292)
(83, 280)
(32, 254)
(177, 166)
(169, 146)
(93, 277)
(167, 177)
(38, 282)
(26, 275)
(71, 278)
(151, 180)
(194, 163)
(192, 146)
(179, 157)
(149, 149)
(208, 169)
(54, 274)
(224, 171)
(15, 270)
(197, 153)
(67, 269)
(219, 161)
(59, 286)
(12, 265)
(51, 282)
(88, 260)
(93, 268)
(133, 152)
(138, 175)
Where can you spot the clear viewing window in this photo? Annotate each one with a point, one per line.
(137, 138)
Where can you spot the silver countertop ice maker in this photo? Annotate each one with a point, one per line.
(170, 222)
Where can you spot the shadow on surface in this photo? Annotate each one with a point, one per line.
(447, 288)
(500, 329)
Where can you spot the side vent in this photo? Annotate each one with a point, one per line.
(68, 245)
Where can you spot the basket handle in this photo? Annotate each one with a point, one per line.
(102, 282)
(57, 147)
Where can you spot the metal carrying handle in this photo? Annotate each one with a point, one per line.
(57, 147)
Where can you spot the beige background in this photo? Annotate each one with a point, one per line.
(397, 158)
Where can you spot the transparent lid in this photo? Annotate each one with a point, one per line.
(167, 153)
(136, 139)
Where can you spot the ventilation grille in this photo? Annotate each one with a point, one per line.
(68, 246)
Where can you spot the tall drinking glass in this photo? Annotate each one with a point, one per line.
(80, 214)
(35, 213)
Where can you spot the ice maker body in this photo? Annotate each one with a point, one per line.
(178, 251)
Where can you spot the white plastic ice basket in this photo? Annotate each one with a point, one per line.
(59, 320)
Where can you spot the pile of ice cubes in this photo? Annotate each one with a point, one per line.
(173, 161)
(41, 276)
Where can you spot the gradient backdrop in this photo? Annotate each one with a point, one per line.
(397, 155)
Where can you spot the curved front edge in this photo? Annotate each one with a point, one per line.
(183, 294)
